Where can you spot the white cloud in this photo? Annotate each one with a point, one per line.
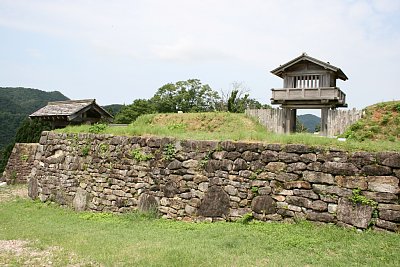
(361, 37)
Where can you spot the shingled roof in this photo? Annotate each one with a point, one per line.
(304, 57)
(70, 109)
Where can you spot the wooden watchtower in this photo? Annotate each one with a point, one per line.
(308, 83)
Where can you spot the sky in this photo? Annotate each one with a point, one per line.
(118, 51)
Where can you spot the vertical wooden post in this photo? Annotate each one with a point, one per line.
(324, 121)
(293, 113)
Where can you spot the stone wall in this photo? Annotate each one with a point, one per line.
(20, 163)
(207, 180)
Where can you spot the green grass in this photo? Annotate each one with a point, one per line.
(226, 126)
(135, 240)
(380, 123)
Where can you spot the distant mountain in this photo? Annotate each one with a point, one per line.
(16, 103)
(309, 121)
(113, 108)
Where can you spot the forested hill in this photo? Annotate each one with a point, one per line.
(16, 103)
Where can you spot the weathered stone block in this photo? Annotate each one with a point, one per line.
(318, 177)
(360, 159)
(219, 155)
(305, 193)
(383, 197)
(198, 178)
(388, 225)
(240, 164)
(170, 189)
(319, 205)
(297, 148)
(390, 215)
(274, 147)
(299, 201)
(147, 203)
(325, 189)
(285, 212)
(315, 166)
(296, 167)
(376, 170)
(332, 208)
(265, 190)
(352, 182)
(308, 158)
(233, 155)
(250, 156)
(174, 165)
(389, 184)
(190, 210)
(276, 167)
(389, 207)
(392, 161)
(80, 200)
(320, 216)
(269, 156)
(191, 163)
(263, 204)
(33, 188)
(231, 190)
(354, 214)
(339, 168)
(215, 203)
(286, 177)
(297, 184)
(288, 157)
(226, 165)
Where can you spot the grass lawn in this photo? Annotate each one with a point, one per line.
(137, 240)
(225, 126)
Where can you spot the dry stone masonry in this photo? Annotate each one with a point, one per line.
(211, 181)
(20, 163)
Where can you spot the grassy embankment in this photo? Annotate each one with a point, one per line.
(85, 239)
(228, 126)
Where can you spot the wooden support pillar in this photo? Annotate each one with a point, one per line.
(293, 117)
(324, 121)
(289, 120)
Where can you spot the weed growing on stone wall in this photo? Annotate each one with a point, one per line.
(255, 174)
(357, 198)
(138, 155)
(169, 151)
(206, 158)
(85, 150)
(254, 190)
(24, 157)
(104, 148)
(97, 128)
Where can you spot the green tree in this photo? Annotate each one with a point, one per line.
(237, 100)
(129, 113)
(186, 96)
(300, 128)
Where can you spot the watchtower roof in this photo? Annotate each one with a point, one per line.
(304, 57)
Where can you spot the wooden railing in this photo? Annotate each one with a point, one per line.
(321, 93)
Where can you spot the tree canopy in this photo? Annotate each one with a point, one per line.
(185, 96)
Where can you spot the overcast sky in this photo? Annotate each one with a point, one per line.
(118, 51)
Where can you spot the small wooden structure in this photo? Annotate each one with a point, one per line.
(63, 113)
(308, 83)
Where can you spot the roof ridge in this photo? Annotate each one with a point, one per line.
(72, 101)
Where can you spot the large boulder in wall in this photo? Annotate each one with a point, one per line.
(215, 203)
